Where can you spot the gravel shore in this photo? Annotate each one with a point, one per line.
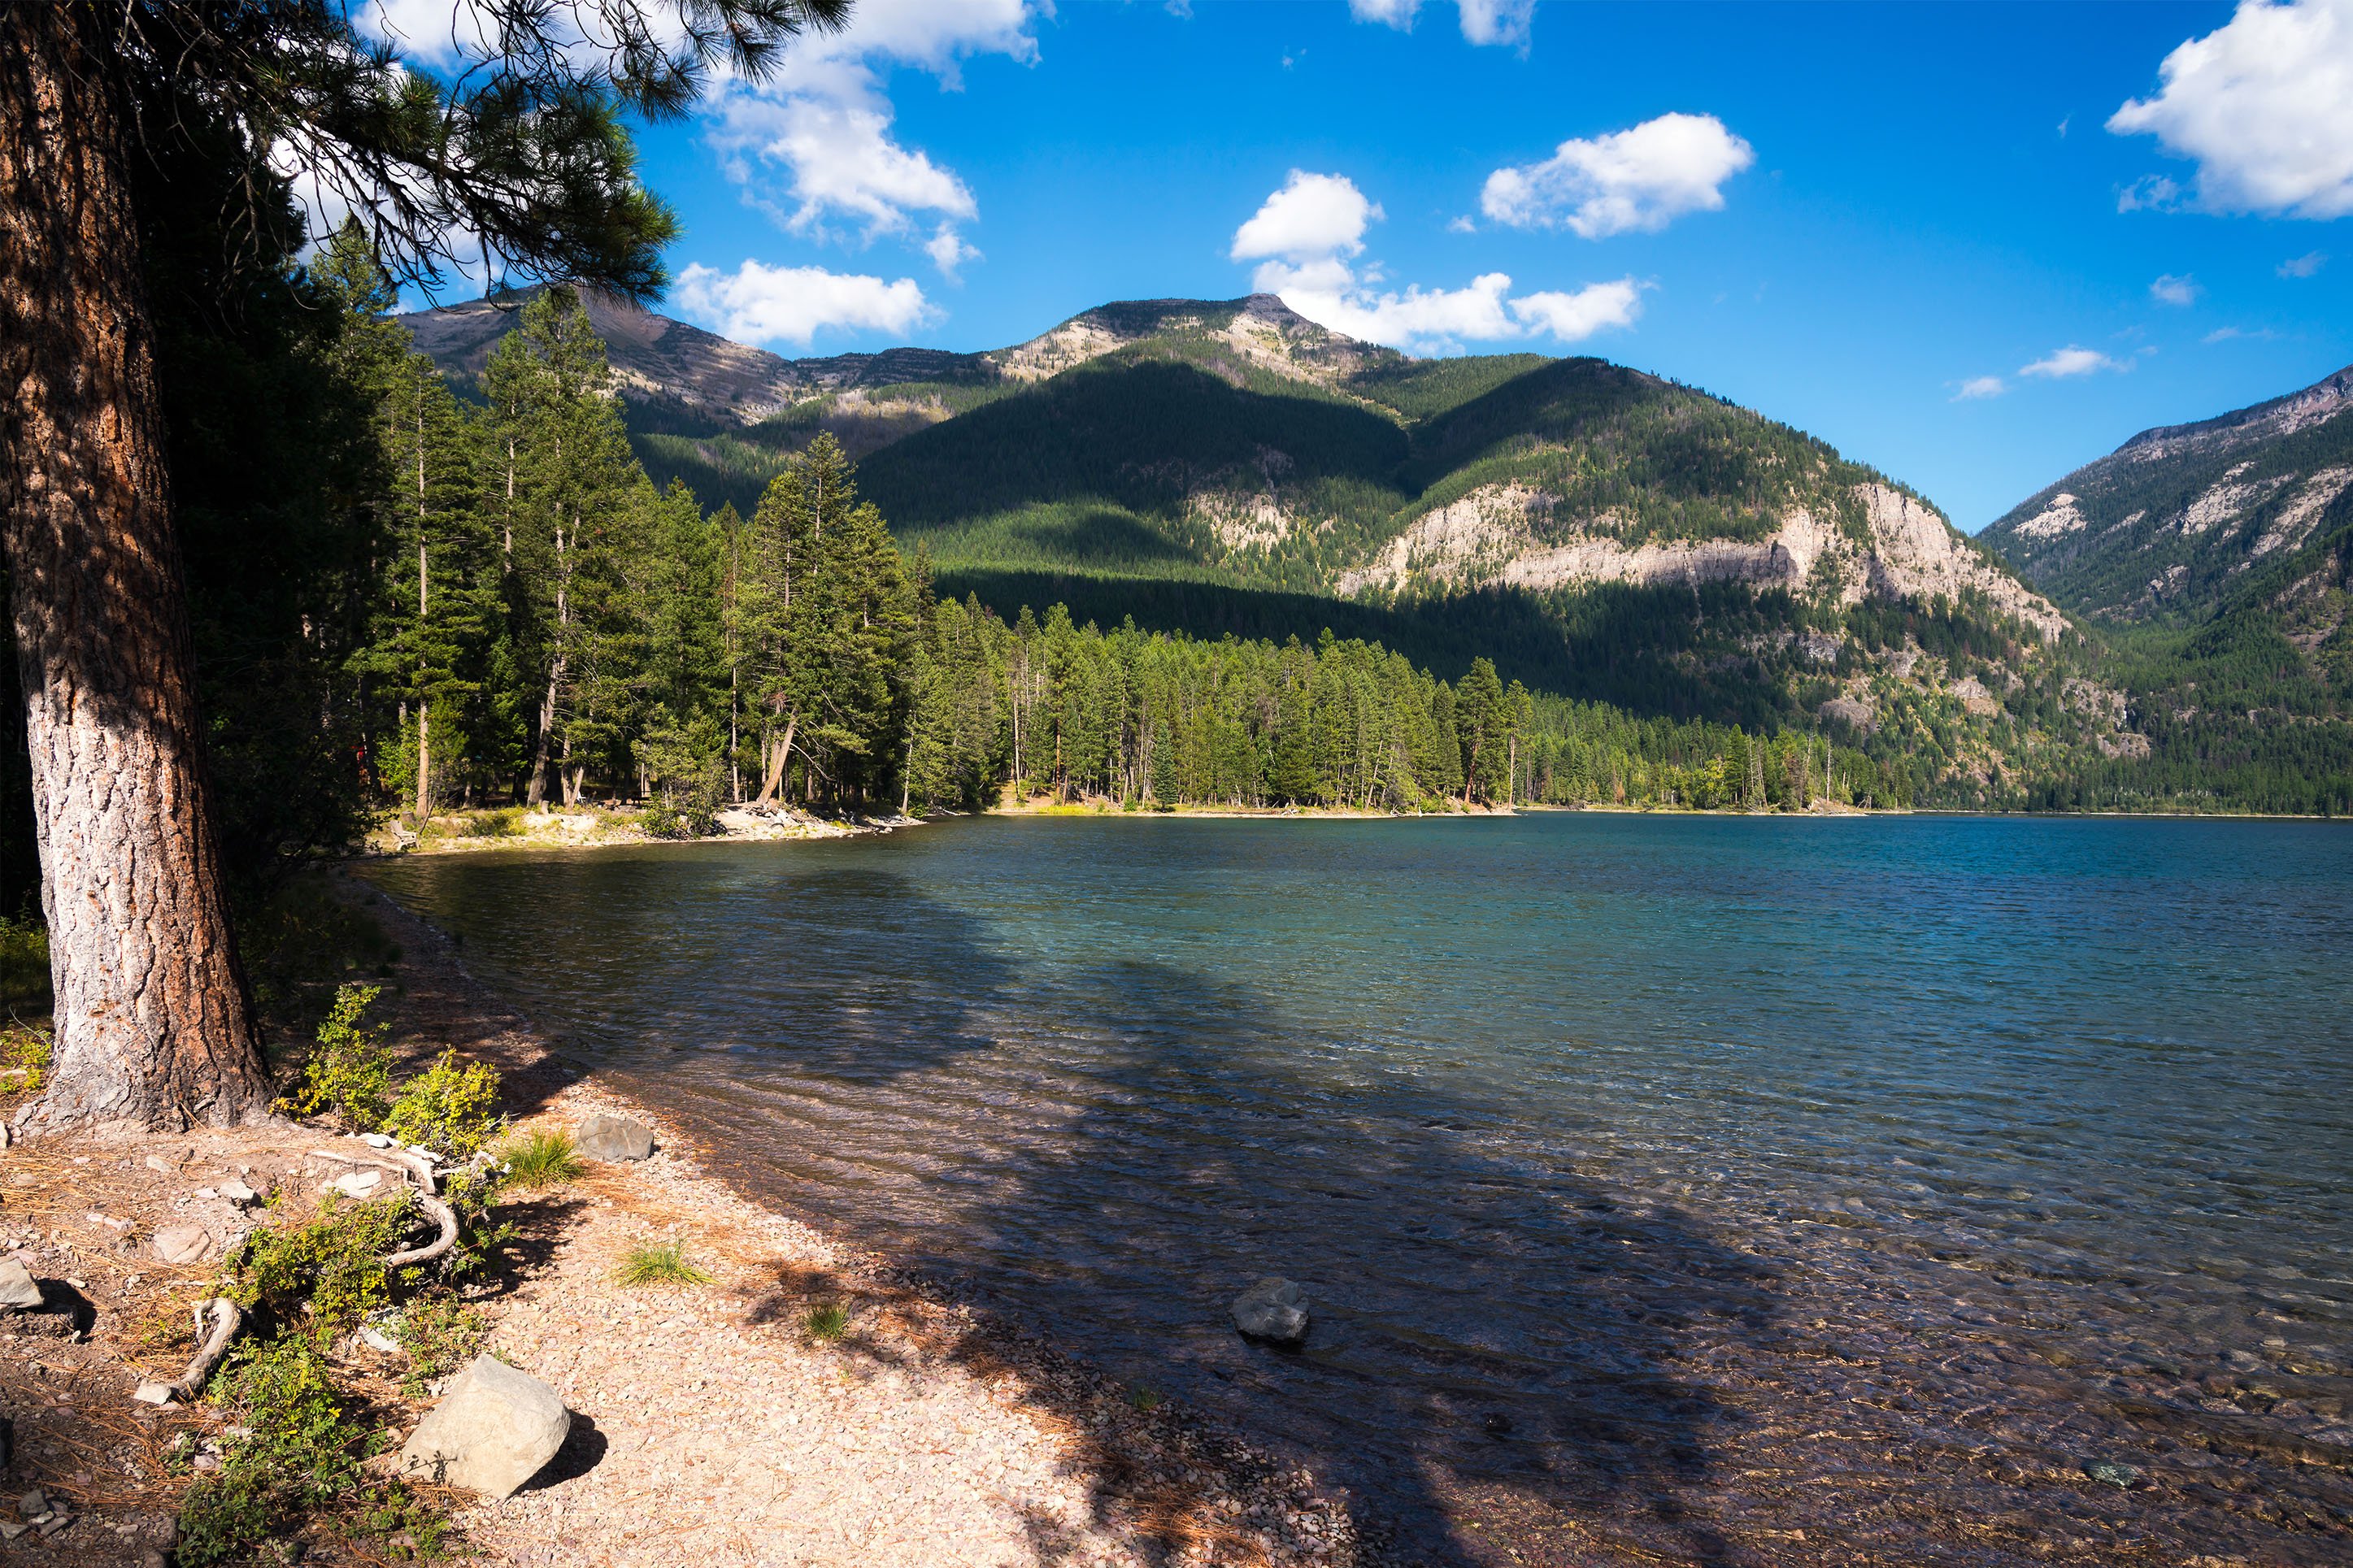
(715, 1429)
(711, 1427)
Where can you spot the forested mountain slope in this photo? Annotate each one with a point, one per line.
(2213, 560)
(2168, 525)
(1231, 467)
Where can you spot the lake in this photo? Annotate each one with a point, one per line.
(1666, 1188)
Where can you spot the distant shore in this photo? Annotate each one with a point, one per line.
(605, 827)
(609, 827)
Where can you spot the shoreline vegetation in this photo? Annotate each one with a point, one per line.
(755, 1389)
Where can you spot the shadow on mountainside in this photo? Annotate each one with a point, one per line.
(1491, 1341)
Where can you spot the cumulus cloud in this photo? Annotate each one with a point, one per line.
(762, 304)
(1637, 179)
(2072, 360)
(949, 251)
(1496, 21)
(817, 147)
(1311, 216)
(1572, 317)
(1980, 386)
(1306, 239)
(2303, 266)
(2169, 289)
(1484, 21)
(2263, 105)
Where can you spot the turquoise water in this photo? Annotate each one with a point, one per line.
(1718, 1189)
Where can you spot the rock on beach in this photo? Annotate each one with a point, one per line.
(603, 1137)
(494, 1431)
(19, 1291)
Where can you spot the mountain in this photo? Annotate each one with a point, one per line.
(2167, 525)
(1229, 466)
(2215, 563)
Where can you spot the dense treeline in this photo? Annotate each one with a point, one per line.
(544, 626)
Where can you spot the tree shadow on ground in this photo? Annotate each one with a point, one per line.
(1494, 1334)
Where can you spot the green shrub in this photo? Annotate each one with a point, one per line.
(440, 1334)
(661, 1263)
(350, 1070)
(482, 1235)
(826, 1322)
(506, 822)
(329, 1266)
(294, 1454)
(24, 1058)
(447, 1107)
(545, 1158)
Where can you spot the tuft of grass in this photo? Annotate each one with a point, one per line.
(504, 822)
(826, 1322)
(661, 1263)
(1144, 1398)
(547, 1158)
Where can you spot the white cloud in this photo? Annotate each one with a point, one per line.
(2303, 266)
(1981, 386)
(1312, 215)
(2072, 360)
(1642, 178)
(1572, 317)
(761, 304)
(2150, 193)
(2169, 289)
(948, 251)
(1484, 21)
(2265, 106)
(823, 126)
(1496, 21)
(842, 159)
(1306, 239)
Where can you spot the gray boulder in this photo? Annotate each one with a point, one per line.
(1272, 1309)
(614, 1138)
(493, 1430)
(19, 1291)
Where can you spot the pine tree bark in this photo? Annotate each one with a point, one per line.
(153, 1023)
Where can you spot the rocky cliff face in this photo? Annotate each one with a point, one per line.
(1514, 535)
(2165, 527)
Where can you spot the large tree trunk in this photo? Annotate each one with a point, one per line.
(152, 1020)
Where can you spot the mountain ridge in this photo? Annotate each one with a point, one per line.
(2166, 527)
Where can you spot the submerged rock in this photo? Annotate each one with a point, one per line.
(614, 1138)
(2113, 1472)
(494, 1431)
(1272, 1309)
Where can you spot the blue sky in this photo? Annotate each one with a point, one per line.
(1935, 237)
